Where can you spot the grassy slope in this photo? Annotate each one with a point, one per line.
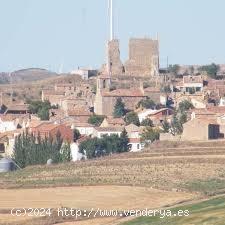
(211, 212)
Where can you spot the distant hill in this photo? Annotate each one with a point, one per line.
(30, 74)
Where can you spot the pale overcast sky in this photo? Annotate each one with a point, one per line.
(48, 33)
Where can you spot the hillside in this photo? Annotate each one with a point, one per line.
(26, 75)
(159, 167)
(160, 176)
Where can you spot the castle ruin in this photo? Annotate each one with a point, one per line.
(143, 58)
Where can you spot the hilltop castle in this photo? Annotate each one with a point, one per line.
(143, 58)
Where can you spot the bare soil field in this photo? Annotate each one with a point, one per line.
(88, 197)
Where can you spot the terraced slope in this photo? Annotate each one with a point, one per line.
(193, 168)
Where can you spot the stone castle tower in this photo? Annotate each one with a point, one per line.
(115, 66)
(143, 58)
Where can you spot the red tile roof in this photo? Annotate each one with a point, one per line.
(81, 111)
(117, 121)
(134, 140)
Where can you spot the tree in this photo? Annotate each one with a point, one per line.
(31, 150)
(19, 152)
(96, 120)
(132, 117)
(65, 153)
(106, 145)
(211, 70)
(176, 126)
(76, 134)
(166, 126)
(185, 105)
(146, 103)
(123, 142)
(119, 108)
(149, 135)
(183, 118)
(174, 69)
(43, 113)
(40, 108)
(147, 122)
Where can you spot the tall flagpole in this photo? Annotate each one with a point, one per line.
(111, 20)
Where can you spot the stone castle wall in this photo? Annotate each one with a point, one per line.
(143, 58)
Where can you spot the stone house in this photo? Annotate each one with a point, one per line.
(80, 113)
(54, 97)
(191, 84)
(105, 99)
(200, 130)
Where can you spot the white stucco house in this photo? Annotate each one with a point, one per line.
(10, 122)
(134, 135)
(102, 131)
(145, 113)
(84, 128)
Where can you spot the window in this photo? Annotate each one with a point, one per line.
(138, 146)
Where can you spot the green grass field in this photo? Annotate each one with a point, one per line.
(211, 212)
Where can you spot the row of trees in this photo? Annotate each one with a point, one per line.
(31, 150)
(211, 69)
(106, 145)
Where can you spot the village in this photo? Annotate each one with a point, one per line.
(174, 104)
(112, 112)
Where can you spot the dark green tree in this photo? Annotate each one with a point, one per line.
(176, 126)
(76, 134)
(211, 70)
(174, 69)
(132, 117)
(40, 108)
(97, 147)
(124, 140)
(149, 135)
(166, 126)
(146, 103)
(96, 120)
(65, 153)
(19, 152)
(185, 105)
(119, 108)
(147, 122)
